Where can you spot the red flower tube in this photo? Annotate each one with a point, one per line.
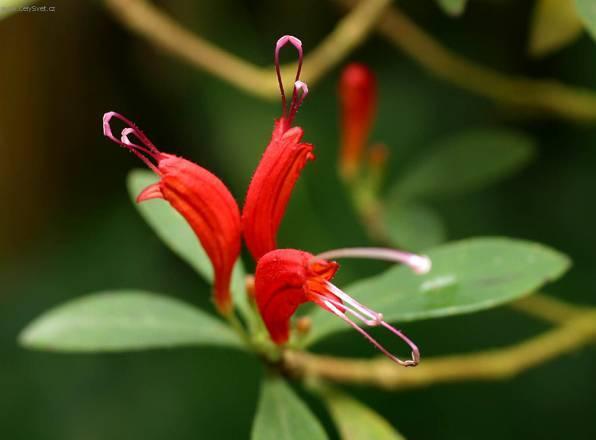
(278, 170)
(199, 196)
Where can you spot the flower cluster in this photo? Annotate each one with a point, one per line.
(284, 278)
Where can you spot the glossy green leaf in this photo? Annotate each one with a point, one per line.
(281, 415)
(356, 421)
(413, 226)
(453, 7)
(125, 320)
(466, 276)
(555, 24)
(8, 7)
(466, 162)
(586, 10)
(175, 232)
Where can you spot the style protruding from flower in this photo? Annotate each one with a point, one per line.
(287, 278)
(358, 103)
(199, 196)
(282, 162)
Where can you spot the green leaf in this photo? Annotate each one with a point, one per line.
(281, 415)
(411, 225)
(465, 162)
(169, 225)
(125, 320)
(453, 7)
(555, 24)
(466, 276)
(354, 420)
(587, 13)
(8, 7)
(175, 232)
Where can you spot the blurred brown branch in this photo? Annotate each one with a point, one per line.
(487, 365)
(532, 94)
(548, 308)
(149, 22)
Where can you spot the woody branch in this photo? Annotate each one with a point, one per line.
(538, 95)
(148, 21)
(546, 96)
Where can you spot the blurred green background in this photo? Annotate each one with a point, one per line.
(68, 228)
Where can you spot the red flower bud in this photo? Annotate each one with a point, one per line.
(358, 102)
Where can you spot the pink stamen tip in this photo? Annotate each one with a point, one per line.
(303, 87)
(142, 151)
(124, 136)
(421, 264)
(289, 39)
(278, 46)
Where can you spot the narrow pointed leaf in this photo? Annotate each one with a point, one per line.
(555, 24)
(413, 226)
(125, 320)
(587, 12)
(466, 162)
(453, 7)
(356, 421)
(466, 276)
(175, 232)
(281, 415)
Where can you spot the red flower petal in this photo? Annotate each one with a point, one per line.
(271, 187)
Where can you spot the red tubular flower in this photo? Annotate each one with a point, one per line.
(280, 285)
(287, 278)
(278, 170)
(199, 196)
(358, 102)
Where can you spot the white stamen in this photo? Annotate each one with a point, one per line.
(415, 352)
(374, 317)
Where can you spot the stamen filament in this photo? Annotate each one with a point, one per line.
(135, 149)
(420, 264)
(369, 322)
(298, 45)
(415, 352)
(375, 318)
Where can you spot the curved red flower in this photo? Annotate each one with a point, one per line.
(287, 278)
(279, 169)
(199, 196)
